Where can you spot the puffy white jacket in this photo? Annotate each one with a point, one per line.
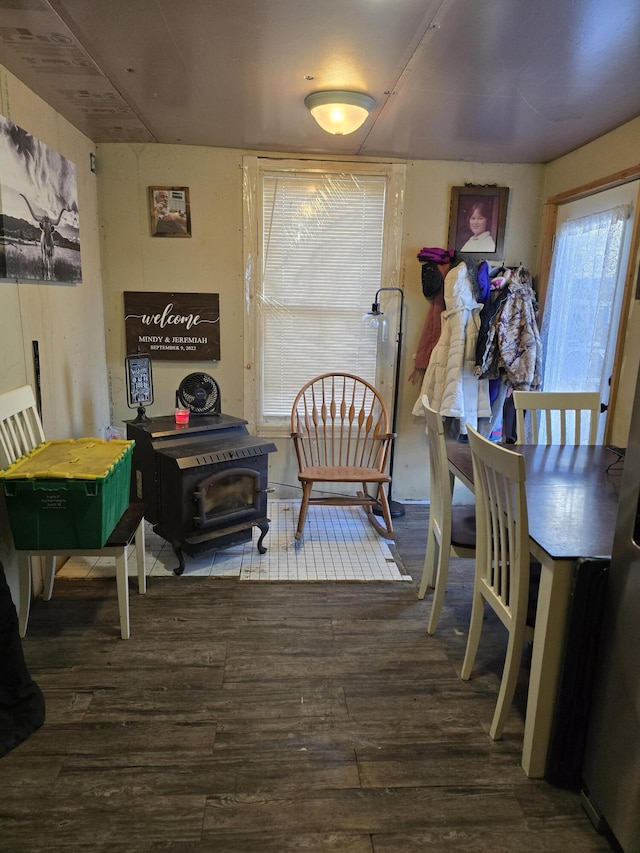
(449, 381)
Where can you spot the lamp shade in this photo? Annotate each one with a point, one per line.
(339, 112)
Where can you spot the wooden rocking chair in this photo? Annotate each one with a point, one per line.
(340, 429)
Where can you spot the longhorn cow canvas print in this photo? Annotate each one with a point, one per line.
(39, 226)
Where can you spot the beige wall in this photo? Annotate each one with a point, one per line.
(66, 320)
(605, 156)
(212, 261)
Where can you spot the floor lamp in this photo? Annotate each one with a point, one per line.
(396, 508)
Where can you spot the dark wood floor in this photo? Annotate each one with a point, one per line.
(272, 718)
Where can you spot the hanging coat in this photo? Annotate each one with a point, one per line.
(430, 332)
(450, 384)
(513, 349)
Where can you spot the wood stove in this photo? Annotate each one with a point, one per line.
(204, 484)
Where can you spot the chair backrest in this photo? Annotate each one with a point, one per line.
(439, 484)
(556, 417)
(340, 419)
(20, 425)
(502, 527)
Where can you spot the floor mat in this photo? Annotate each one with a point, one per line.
(339, 544)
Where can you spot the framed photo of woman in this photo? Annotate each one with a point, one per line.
(477, 221)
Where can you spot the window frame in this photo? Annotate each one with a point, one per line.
(253, 169)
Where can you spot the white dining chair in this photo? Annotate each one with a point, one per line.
(452, 529)
(556, 417)
(502, 561)
(20, 426)
(21, 431)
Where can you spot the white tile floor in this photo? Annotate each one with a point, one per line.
(339, 545)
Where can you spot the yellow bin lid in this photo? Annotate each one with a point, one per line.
(71, 459)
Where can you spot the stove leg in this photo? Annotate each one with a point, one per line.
(265, 529)
(178, 552)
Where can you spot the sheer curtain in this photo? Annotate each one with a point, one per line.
(583, 302)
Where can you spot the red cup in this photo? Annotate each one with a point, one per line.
(182, 417)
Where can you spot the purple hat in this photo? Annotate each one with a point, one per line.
(439, 256)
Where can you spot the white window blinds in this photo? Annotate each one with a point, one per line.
(322, 261)
(320, 238)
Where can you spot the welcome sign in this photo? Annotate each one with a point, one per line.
(173, 326)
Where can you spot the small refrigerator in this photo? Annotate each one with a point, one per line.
(611, 770)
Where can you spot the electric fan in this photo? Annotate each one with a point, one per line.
(200, 393)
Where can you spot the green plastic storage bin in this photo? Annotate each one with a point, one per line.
(68, 494)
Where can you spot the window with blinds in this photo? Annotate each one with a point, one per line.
(320, 259)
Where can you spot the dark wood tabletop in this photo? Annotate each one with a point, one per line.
(572, 495)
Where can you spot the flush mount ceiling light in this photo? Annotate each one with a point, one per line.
(339, 112)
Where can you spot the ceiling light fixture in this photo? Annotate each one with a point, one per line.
(339, 112)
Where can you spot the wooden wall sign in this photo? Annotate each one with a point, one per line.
(173, 326)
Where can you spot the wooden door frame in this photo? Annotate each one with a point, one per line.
(549, 221)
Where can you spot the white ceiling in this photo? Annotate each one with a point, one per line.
(486, 80)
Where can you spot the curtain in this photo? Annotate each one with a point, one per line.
(583, 301)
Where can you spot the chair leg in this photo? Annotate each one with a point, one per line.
(429, 567)
(440, 587)
(475, 629)
(304, 506)
(24, 569)
(140, 559)
(386, 512)
(122, 582)
(50, 564)
(508, 684)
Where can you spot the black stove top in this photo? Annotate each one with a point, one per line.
(165, 427)
(205, 440)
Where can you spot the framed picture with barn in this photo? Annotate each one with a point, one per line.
(39, 226)
(170, 211)
(477, 221)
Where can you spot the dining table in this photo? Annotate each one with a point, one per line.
(572, 503)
